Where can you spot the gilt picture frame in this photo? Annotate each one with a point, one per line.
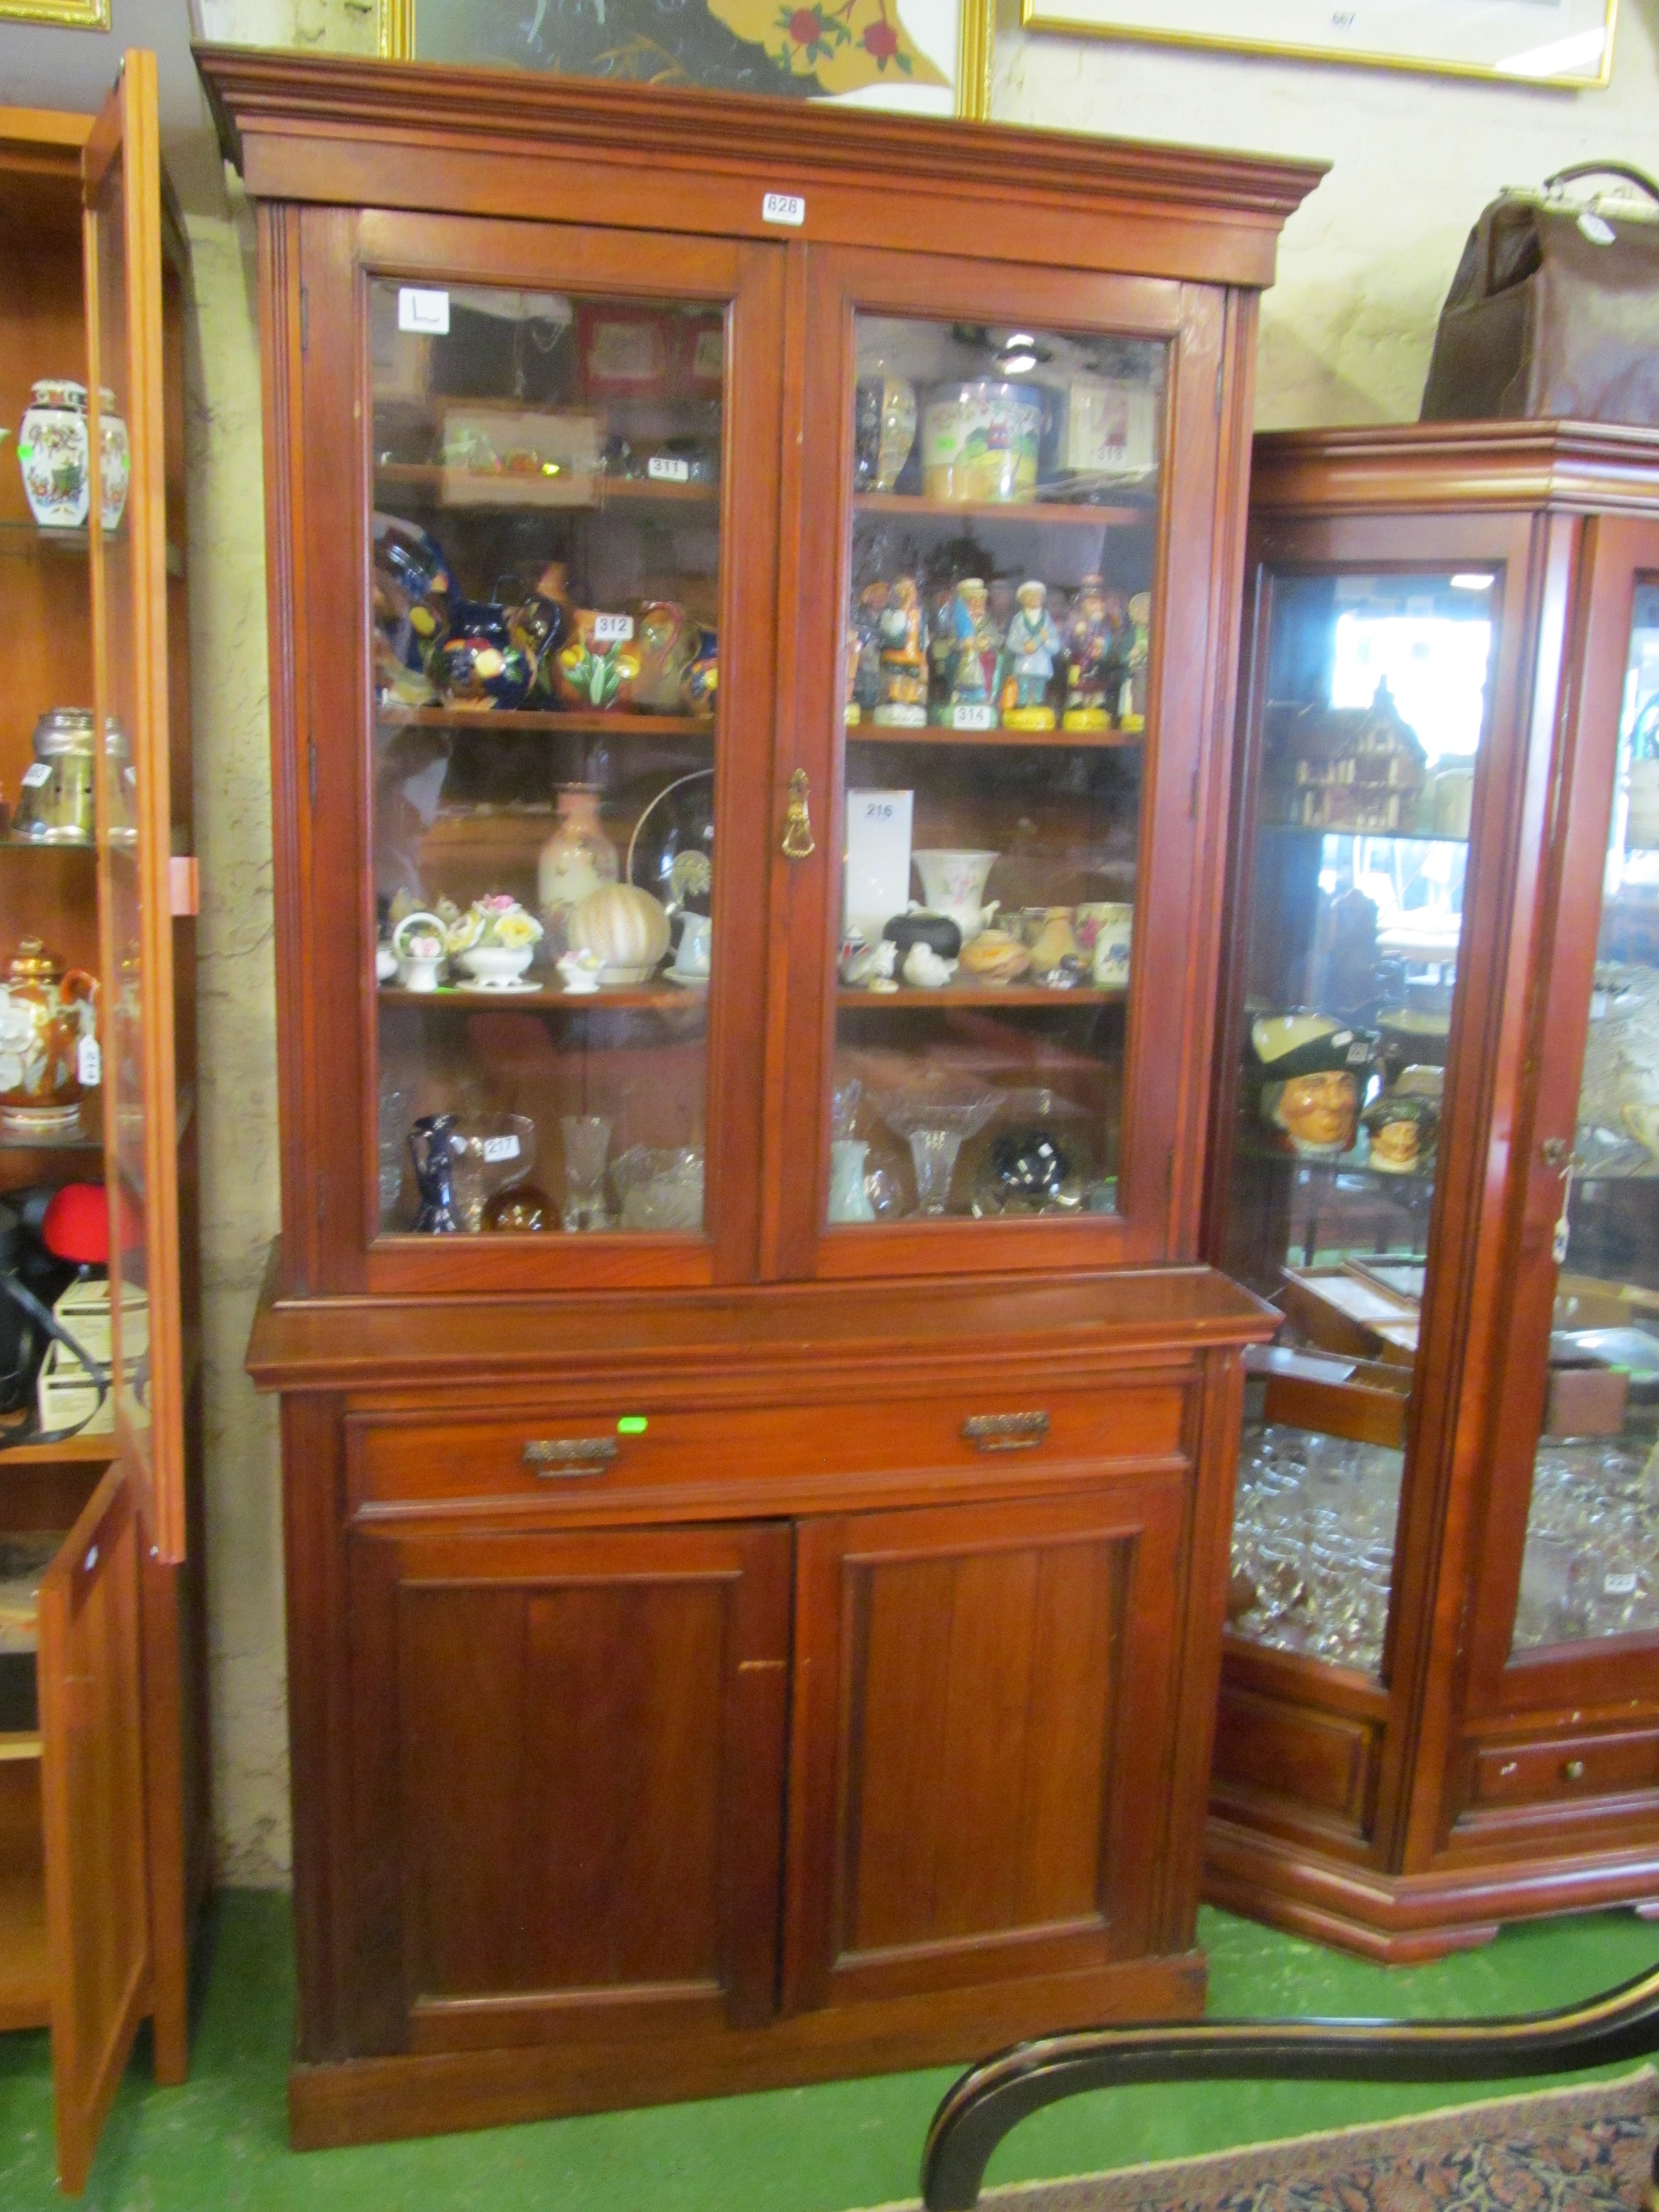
(917, 57)
(1567, 42)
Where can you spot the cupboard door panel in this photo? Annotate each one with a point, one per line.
(93, 1803)
(571, 1752)
(970, 1684)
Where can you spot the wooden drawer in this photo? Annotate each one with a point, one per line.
(1320, 1762)
(545, 1455)
(1565, 1768)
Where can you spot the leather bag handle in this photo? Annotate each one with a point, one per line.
(1631, 176)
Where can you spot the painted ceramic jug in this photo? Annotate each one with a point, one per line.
(45, 1014)
(431, 1150)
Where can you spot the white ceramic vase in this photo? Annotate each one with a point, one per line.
(52, 451)
(953, 884)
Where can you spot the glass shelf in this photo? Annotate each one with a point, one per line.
(458, 490)
(678, 999)
(613, 724)
(1044, 513)
(988, 997)
(940, 733)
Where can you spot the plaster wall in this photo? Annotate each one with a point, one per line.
(1345, 338)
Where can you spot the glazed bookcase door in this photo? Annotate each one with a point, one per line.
(131, 593)
(567, 546)
(1571, 1590)
(1370, 718)
(988, 727)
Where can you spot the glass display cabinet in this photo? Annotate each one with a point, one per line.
(1440, 1705)
(104, 1827)
(749, 851)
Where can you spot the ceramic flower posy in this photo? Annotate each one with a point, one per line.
(497, 921)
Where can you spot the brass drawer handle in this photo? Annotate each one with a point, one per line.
(989, 1432)
(548, 1457)
(1572, 1770)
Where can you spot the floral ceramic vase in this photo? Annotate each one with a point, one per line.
(114, 461)
(53, 453)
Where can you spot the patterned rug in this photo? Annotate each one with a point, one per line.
(1584, 2149)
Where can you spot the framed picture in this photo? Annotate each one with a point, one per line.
(65, 14)
(921, 56)
(1564, 42)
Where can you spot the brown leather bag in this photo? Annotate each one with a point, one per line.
(1554, 310)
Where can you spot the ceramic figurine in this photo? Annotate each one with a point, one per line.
(577, 859)
(924, 970)
(871, 606)
(421, 941)
(1091, 639)
(540, 625)
(903, 634)
(599, 665)
(493, 942)
(477, 666)
(434, 1172)
(53, 453)
(973, 647)
(869, 965)
(941, 936)
(1028, 660)
(1133, 716)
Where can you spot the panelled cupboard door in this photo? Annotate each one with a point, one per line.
(980, 1704)
(1006, 677)
(537, 483)
(122, 181)
(568, 1758)
(93, 1804)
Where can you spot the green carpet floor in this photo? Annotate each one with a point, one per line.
(218, 2144)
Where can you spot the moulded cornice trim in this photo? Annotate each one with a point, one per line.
(1418, 467)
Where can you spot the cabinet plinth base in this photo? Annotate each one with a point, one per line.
(362, 2100)
(1402, 1920)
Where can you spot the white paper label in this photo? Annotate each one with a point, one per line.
(785, 208)
(612, 629)
(427, 314)
(36, 773)
(1619, 1585)
(89, 1063)
(973, 717)
(501, 1148)
(1596, 229)
(664, 468)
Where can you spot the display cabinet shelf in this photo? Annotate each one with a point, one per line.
(1385, 836)
(82, 1450)
(1028, 513)
(645, 998)
(451, 487)
(954, 996)
(576, 722)
(19, 1744)
(868, 733)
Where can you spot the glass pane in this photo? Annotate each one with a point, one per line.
(1591, 1566)
(1375, 708)
(126, 723)
(1004, 538)
(546, 558)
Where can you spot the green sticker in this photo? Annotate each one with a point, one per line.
(631, 1424)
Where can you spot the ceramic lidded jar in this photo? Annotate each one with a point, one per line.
(52, 451)
(114, 461)
(44, 1015)
(55, 802)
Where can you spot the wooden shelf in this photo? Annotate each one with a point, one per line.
(1062, 514)
(575, 724)
(82, 1450)
(646, 997)
(19, 1743)
(938, 733)
(606, 491)
(21, 537)
(10, 844)
(984, 994)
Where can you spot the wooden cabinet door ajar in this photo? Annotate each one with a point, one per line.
(981, 1707)
(568, 1752)
(92, 1787)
